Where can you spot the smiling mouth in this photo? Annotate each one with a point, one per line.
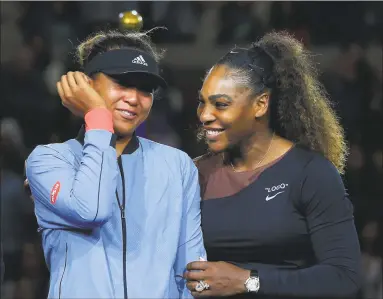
(213, 133)
(127, 114)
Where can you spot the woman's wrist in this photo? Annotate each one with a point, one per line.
(243, 275)
(99, 118)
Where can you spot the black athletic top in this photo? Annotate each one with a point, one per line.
(2, 268)
(292, 222)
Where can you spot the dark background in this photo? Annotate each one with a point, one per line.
(36, 38)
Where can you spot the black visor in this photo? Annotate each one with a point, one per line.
(127, 64)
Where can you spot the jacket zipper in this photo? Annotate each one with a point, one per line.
(123, 221)
(62, 276)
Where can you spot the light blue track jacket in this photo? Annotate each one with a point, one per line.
(116, 228)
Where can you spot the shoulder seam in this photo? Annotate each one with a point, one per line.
(57, 150)
(199, 158)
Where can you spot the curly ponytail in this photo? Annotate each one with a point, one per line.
(303, 110)
(300, 110)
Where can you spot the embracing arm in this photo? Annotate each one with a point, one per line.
(329, 216)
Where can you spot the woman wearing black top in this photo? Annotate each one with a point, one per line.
(276, 219)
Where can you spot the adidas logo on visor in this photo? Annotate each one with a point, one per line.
(139, 60)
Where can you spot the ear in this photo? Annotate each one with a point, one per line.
(261, 105)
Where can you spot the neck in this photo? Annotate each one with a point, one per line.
(121, 143)
(252, 153)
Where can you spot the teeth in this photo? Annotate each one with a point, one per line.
(127, 113)
(213, 132)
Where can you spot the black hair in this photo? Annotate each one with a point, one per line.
(300, 110)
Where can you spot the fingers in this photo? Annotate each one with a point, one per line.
(197, 266)
(72, 81)
(61, 92)
(195, 275)
(205, 293)
(81, 79)
(191, 285)
(66, 88)
(64, 99)
(87, 79)
(27, 189)
(77, 94)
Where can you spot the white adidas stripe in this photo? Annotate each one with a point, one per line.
(140, 60)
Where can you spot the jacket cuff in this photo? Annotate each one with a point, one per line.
(99, 119)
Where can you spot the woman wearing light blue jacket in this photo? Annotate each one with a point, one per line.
(119, 214)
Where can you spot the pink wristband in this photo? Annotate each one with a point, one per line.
(99, 119)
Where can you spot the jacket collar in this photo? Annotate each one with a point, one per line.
(132, 146)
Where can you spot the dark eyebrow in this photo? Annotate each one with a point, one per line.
(215, 97)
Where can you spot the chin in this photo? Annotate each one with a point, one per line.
(216, 147)
(124, 131)
(126, 128)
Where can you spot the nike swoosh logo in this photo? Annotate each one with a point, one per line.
(232, 52)
(271, 197)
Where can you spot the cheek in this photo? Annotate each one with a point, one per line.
(199, 110)
(146, 103)
(110, 96)
(241, 122)
(230, 118)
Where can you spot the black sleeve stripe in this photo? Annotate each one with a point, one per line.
(113, 141)
(99, 186)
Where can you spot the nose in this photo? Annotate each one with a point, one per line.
(131, 96)
(205, 114)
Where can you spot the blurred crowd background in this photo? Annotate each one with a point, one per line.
(38, 40)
